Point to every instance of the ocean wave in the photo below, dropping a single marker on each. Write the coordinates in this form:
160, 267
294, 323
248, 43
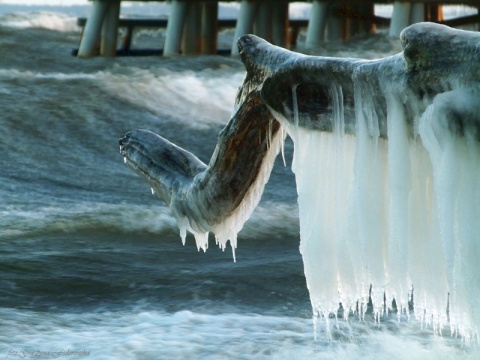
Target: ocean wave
40, 20
268, 219
45, 2
123, 218
10, 74
272, 218
196, 99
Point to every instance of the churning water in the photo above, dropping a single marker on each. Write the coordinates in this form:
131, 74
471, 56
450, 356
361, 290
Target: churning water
91, 262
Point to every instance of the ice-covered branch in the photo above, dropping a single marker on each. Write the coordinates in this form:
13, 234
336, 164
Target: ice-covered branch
387, 157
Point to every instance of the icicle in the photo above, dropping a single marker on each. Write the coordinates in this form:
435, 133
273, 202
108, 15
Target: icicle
399, 176
284, 136
182, 223
295, 105
233, 244
183, 235
338, 119
201, 240
269, 133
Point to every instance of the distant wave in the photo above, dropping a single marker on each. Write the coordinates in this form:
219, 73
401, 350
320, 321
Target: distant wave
178, 95
170, 94
9, 74
132, 218
40, 20
59, 219
44, 2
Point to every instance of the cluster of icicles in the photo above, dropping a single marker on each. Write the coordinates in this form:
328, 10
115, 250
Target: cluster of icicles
227, 230
387, 215
396, 214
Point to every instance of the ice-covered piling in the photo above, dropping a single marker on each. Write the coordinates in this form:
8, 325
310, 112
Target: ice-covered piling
387, 157
384, 200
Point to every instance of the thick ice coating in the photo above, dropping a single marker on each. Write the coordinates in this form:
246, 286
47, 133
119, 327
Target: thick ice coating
220, 197
386, 161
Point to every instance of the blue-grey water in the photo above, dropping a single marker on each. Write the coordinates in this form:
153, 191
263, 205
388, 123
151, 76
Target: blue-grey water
92, 265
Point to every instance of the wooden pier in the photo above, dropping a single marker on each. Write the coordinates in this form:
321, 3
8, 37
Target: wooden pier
192, 26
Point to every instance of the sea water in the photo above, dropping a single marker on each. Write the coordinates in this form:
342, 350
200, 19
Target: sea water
92, 265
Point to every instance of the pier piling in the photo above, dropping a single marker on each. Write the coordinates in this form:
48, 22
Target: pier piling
93, 27
108, 43
280, 23
209, 27
417, 13
191, 29
400, 17
176, 21
335, 24
316, 24
248, 9
262, 25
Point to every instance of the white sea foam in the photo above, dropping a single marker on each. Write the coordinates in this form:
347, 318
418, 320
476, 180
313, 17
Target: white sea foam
44, 2
40, 20
185, 334
10, 74
449, 11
